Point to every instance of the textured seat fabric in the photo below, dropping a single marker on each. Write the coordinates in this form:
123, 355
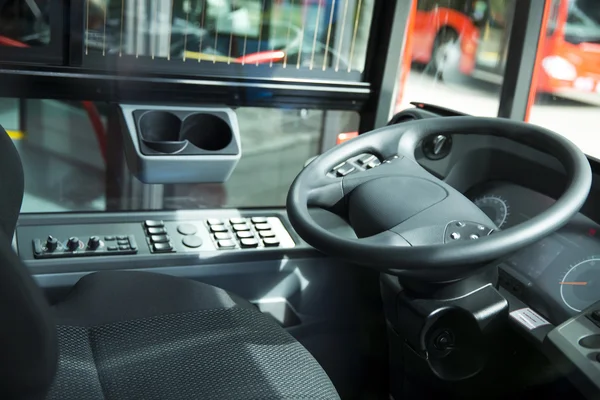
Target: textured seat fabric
135, 335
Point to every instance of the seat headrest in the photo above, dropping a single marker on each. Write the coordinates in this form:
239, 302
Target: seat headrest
11, 184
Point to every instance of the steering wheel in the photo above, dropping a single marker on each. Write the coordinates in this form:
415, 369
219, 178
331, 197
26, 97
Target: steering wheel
407, 221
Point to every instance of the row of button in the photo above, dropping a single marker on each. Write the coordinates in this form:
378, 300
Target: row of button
249, 233
120, 242
158, 237
366, 161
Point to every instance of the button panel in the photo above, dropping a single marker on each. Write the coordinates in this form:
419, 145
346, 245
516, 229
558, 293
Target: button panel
157, 237
248, 233
354, 165
465, 230
93, 245
229, 232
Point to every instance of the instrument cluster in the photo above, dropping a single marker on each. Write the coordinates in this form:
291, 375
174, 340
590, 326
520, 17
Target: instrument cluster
561, 273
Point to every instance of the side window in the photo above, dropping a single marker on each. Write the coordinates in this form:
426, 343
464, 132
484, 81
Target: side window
574, 19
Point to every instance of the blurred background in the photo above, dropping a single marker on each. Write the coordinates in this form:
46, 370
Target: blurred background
458, 50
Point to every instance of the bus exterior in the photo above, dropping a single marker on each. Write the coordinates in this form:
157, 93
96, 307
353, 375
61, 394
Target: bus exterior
570, 65
439, 29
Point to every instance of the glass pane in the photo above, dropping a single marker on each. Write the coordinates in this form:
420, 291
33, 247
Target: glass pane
65, 169
24, 23
311, 34
568, 87
459, 50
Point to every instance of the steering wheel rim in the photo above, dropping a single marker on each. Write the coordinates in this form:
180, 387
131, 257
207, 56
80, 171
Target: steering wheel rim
389, 251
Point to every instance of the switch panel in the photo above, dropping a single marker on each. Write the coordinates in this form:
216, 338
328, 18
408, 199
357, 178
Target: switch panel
248, 233
162, 237
94, 245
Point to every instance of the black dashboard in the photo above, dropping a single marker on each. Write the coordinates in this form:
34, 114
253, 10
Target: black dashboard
558, 276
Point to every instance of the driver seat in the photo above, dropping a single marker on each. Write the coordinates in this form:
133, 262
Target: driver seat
137, 335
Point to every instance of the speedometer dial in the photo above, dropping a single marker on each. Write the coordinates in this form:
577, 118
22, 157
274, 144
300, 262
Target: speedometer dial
495, 207
580, 287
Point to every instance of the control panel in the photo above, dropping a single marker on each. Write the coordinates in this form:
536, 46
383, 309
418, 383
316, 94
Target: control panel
575, 346
74, 246
355, 164
160, 236
465, 230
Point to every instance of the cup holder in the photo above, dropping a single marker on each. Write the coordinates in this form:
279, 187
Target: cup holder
159, 130
206, 131
176, 144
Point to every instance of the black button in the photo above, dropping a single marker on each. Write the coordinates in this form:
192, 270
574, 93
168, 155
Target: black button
187, 229
245, 234
266, 234
226, 244
121, 237
240, 227
159, 238
218, 228
192, 241
214, 221
113, 248
154, 231
366, 159
93, 242
248, 243
344, 170
271, 242
262, 227
123, 242
51, 243
259, 220
109, 238
153, 224
222, 235
162, 247
234, 221
73, 244
124, 247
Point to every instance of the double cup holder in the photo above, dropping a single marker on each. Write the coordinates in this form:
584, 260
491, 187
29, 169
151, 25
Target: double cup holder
180, 144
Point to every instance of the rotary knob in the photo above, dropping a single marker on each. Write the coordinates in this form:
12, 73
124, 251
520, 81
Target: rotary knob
73, 244
93, 243
51, 243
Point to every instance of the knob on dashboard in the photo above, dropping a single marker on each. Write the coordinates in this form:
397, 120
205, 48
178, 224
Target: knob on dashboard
93, 243
73, 243
51, 243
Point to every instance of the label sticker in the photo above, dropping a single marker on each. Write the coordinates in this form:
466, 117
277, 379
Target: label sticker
528, 318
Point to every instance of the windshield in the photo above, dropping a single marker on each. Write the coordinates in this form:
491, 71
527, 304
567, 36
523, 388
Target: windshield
583, 22
587, 9
459, 63
459, 50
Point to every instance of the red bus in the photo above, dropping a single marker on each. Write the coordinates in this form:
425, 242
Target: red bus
471, 36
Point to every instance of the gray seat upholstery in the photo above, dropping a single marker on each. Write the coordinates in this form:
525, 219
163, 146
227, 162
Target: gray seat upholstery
138, 335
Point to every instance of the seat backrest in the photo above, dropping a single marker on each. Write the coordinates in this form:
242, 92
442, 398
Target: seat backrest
27, 330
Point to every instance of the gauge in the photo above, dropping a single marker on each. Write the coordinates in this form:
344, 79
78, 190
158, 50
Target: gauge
495, 207
580, 287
